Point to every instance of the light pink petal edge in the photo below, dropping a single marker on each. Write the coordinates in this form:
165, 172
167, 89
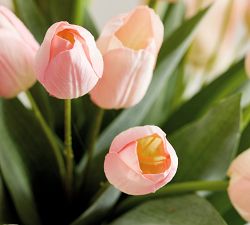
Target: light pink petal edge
124, 178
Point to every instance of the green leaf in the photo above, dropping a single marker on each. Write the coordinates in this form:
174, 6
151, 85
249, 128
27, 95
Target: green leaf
100, 207
226, 84
173, 17
169, 58
31, 15
42, 99
61, 10
89, 24
203, 144
181, 210
28, 166
245, 139
168, 99
7, 213
245, 122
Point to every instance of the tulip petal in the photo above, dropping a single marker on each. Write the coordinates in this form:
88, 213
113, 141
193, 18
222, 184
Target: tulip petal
131, 23
95, 57
44, 52
105, 41
239, 195
16, 69
72, 79
138, 38
129, 155
59, 45
21, 30
127, 75
133, 134
124, 178
241, 165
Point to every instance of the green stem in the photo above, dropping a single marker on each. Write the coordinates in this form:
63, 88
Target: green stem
170, 189
68, 145
78, 12
94, 131
51, 137
153, 4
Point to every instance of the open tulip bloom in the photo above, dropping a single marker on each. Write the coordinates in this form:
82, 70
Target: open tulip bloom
75, 147
140, 160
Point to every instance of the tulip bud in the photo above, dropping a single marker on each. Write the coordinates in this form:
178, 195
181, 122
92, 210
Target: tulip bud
239, 185
129, 44
68, 63
140, 160
17, 53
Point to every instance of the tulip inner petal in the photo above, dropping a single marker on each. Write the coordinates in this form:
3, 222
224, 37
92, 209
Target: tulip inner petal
137, 32
67, 35
152, 156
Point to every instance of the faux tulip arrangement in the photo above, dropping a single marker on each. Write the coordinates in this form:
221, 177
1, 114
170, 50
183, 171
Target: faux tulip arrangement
75, 147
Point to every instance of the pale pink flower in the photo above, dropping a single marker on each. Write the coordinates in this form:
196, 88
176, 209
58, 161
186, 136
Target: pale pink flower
239, 186
129, 43
17, 53
140, 160
68, 63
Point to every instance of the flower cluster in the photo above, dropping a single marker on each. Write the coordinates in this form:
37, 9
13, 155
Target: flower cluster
116, 71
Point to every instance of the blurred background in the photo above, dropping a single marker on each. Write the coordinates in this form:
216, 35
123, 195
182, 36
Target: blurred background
104, 10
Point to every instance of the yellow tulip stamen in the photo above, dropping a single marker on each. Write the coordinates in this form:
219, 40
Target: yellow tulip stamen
151, 154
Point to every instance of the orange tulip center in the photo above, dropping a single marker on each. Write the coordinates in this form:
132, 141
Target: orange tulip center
67, 35
137, 31
151, 154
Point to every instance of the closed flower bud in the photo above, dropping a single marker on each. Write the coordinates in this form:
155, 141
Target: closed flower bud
140, 160
129, 44
17, 53
68, 63
239, 185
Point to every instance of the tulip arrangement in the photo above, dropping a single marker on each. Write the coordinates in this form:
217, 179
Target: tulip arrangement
146, 122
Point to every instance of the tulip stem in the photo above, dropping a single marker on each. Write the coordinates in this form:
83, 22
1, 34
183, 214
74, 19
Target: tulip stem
175, 188
153, 4
94, 131
68, 151
78, 12
48, 132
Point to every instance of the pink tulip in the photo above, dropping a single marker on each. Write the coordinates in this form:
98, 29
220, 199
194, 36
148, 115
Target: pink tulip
17, 53
68, 64
129, 44
140, 160
239, 186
